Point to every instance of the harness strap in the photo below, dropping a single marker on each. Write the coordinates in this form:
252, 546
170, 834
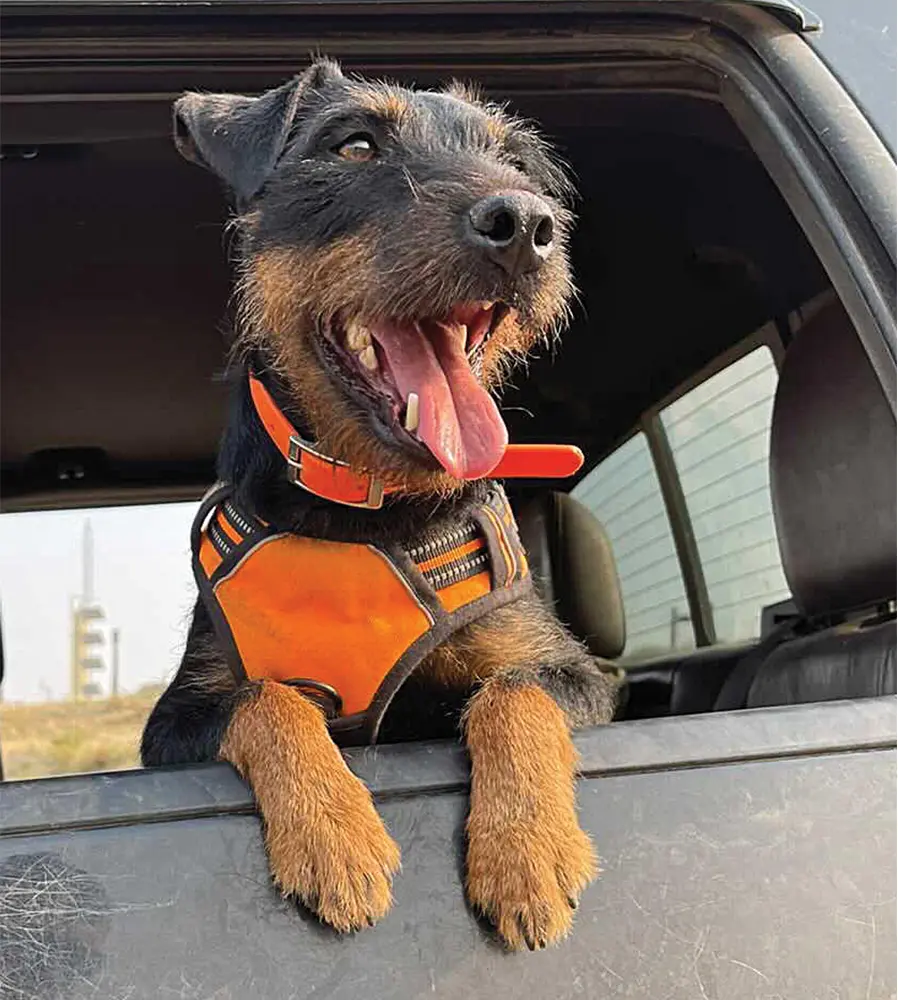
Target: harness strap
214, 497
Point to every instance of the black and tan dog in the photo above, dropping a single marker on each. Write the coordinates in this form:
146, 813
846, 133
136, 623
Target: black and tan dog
398, 250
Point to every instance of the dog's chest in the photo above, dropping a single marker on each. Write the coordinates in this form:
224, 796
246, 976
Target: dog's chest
349, 623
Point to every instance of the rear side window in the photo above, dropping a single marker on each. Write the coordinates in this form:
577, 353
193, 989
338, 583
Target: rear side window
719, 434
705, 515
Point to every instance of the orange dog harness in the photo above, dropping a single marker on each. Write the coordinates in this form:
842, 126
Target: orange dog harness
347, 623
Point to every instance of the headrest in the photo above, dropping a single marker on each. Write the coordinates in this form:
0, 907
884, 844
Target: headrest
574, 571
832, 470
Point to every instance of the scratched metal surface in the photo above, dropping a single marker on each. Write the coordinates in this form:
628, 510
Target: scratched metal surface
760, 871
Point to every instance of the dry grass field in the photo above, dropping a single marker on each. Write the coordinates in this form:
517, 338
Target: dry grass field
67, 738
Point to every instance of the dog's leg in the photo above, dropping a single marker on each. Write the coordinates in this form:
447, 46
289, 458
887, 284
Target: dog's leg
528, 860
326, 844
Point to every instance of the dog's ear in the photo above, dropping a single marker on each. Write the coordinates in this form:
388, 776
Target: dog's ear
241, 138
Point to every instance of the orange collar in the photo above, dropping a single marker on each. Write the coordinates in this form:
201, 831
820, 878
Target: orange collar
331, 479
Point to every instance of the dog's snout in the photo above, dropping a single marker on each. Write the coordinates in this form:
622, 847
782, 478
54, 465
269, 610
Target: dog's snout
516, 230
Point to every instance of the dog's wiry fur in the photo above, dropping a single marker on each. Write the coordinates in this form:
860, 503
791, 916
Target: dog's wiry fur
325, 841
319, 237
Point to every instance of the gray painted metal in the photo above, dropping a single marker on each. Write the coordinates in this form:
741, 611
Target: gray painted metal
858, 42
793, 14
745, 855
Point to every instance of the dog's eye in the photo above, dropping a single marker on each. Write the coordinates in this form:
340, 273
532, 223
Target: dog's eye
359, 148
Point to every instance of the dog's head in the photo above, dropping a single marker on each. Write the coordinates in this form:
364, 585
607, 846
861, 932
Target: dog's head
398, 249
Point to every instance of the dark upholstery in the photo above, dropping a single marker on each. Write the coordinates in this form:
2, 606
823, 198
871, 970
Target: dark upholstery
842, 662
682, 683
832, 470
574, 570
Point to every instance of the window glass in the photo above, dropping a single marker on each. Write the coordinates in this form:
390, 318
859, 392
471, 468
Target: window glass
624, 494
62, 625
719, 433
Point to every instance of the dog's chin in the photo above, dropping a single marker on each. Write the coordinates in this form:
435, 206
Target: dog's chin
417, 388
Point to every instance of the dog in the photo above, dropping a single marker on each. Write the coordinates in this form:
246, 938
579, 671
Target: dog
359, 570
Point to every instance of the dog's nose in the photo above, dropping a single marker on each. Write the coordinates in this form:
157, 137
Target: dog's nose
516, 230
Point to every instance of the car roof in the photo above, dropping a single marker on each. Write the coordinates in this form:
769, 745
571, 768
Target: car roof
856, 40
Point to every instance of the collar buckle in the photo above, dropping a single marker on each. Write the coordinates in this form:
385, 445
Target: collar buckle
302, 457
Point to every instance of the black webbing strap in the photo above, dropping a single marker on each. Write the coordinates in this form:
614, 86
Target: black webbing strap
213, 497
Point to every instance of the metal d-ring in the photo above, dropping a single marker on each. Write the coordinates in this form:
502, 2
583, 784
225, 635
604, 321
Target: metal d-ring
326, 697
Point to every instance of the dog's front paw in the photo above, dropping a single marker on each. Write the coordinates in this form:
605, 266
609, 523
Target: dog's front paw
332, 852
528, 859
526, 878
326, 844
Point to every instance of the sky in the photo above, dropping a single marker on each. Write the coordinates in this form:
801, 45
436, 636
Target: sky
142, 580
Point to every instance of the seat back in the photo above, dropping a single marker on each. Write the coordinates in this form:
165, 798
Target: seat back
574, 570
832, 471
832, 474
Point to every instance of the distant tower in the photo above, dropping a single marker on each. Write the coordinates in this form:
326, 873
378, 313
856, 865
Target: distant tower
87, 563
88, 618
116, 649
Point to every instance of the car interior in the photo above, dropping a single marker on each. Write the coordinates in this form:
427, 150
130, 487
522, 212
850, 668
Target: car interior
831, 439
115, 274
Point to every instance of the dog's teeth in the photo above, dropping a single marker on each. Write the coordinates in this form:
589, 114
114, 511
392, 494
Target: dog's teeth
358, 337
368, 358
411, 412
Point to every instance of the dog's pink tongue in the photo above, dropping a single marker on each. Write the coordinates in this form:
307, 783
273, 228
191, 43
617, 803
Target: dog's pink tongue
458, 419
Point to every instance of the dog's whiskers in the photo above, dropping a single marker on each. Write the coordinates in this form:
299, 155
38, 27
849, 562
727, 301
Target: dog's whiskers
411, 184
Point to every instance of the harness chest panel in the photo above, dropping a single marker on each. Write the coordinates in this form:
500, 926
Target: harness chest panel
348, 622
